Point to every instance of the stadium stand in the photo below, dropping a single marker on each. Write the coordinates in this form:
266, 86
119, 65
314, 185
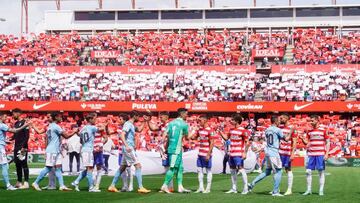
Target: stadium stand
198, 87
191, 47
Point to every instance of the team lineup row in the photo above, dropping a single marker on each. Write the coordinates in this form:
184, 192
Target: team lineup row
280, 145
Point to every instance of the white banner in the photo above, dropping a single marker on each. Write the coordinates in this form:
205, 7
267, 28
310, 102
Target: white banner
151, 162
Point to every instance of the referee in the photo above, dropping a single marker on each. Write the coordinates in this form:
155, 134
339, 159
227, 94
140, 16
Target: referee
21, 150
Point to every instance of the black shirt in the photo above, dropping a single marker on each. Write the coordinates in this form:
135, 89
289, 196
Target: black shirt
22, 137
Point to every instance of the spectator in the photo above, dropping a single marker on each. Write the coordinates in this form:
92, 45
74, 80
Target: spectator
108, 146
74, 147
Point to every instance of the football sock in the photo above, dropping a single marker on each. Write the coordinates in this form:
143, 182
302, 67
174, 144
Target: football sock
201, 178
233, 179
277, 180
42, 174
5, 173
244, 178
322, 180
209, 178
290, 180
58, 174
308, 179
139, 177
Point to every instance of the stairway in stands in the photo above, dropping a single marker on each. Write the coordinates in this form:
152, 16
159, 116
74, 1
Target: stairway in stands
85, 53
288, 57
259, 95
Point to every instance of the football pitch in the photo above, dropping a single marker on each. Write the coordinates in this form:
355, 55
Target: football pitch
342, 185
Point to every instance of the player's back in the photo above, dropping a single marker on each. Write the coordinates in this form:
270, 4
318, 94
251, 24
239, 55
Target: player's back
87, 136
3, 129
99, 142
176, 130
273, 135
129, 130
53, 134
176, 127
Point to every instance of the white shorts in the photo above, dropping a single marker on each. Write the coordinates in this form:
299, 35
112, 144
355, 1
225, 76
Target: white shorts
53, 159
3, 158
87, 159
273, 162
129, 158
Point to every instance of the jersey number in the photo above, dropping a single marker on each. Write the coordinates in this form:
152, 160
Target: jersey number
173, 130
270, 139
84, 137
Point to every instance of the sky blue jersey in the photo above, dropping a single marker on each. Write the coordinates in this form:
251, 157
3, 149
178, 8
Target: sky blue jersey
273, 135
87, 136
53, 134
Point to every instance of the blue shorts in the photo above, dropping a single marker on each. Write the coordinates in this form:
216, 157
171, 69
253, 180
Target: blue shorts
166, 162
316, 163
98, 159
202, 163
119, 159
286, 161
236, 161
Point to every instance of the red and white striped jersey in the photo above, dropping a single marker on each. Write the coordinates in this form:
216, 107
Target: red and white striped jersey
162, 128
237, 138
261, 128
335, 149
353, 144
98, 143
317, 142
286, 146
205, 135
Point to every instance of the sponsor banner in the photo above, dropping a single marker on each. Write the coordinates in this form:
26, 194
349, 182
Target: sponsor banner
345, 67
93, 70
260, 53
105, 54
32, 157
336, 106
341, 162
197, 106
140, 70
226, 69
128, 69
16, 69
240, 69
176, 69
289, 69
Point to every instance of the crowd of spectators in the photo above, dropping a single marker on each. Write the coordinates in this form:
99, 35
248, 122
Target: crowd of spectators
191, 47
41, 50
186, 48
201, 86
311, 86
316, 46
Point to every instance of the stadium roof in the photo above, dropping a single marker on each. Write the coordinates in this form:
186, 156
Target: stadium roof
25, 6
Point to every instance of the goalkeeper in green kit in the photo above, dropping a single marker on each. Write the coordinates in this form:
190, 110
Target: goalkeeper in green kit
175, 132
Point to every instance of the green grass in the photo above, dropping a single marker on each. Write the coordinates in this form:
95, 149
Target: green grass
342, 185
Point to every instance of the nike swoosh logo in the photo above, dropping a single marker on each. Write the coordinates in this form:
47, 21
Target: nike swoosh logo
36, 107
297, 108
